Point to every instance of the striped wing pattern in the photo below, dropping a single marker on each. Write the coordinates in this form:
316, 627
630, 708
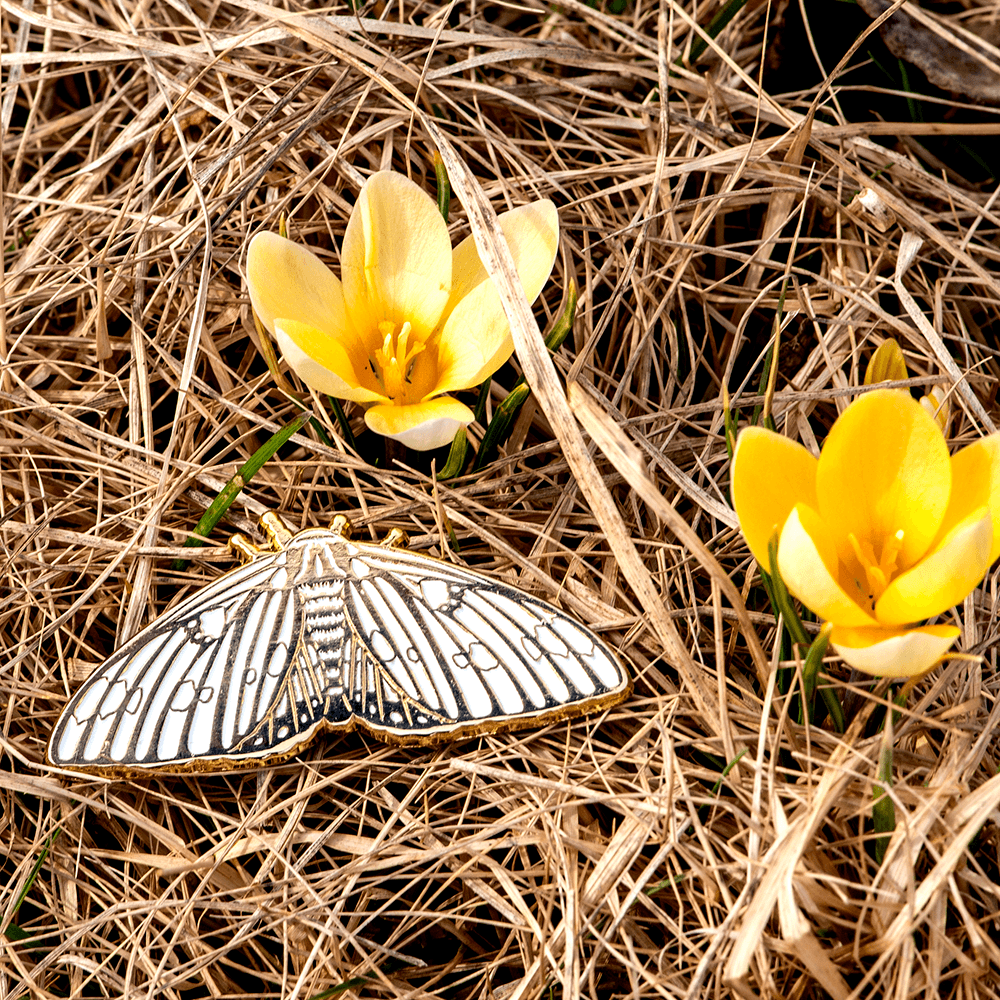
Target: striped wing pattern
328, 633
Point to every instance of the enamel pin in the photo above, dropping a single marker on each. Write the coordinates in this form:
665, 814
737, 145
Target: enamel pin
321, 633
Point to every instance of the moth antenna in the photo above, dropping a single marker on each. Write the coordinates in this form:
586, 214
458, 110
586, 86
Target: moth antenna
340, 525
243, 548
278, 533
396, 539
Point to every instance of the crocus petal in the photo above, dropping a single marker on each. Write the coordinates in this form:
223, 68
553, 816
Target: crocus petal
943, 577
396, 258
532, 234
771, 474
475, 338
975, 482
884, 468
893, 652
807, 561
421, 426
887, 364
322, 362
287, 280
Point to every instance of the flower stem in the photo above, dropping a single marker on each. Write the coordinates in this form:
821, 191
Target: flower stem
484, 395
783, 600
833, 707
810, 669
499, 428
729, 423
883, 810
562, 326
345, 427
271, 359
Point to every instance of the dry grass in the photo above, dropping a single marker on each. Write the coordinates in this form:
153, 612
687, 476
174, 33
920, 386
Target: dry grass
142, 145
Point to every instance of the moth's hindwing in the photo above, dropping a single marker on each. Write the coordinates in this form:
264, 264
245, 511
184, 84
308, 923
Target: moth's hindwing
328, 633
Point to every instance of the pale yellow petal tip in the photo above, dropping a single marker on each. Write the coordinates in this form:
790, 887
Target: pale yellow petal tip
545, 217
287, 280
422, 426
937, 404
887, 652
267, 257
263, 263
263, 243
395, 258
887, 364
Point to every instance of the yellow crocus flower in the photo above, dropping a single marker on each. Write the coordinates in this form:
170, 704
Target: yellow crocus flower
883, 531
410, 319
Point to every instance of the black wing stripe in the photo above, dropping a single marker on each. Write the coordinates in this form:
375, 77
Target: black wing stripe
246, 651
106, 688
250, 664
451, 641
487, 657
203, 724
169, 725
247, 670
483, 655
379, 631
563, 638
401, 564
545, 646
155, 693
557, 668
414, 661
127, 673
507, 640
263, 685
595, 657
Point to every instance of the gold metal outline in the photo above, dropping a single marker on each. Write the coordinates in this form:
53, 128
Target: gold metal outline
278, 536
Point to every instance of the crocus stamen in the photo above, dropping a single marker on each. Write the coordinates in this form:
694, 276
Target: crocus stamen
878, 573
394, 358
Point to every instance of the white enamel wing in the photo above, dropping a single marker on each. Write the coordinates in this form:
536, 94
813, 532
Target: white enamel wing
324, 633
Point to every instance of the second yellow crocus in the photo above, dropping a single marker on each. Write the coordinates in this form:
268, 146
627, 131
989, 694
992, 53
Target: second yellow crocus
883, 531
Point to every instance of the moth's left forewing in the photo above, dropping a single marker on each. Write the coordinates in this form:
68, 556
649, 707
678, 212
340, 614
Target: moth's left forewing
454, 652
